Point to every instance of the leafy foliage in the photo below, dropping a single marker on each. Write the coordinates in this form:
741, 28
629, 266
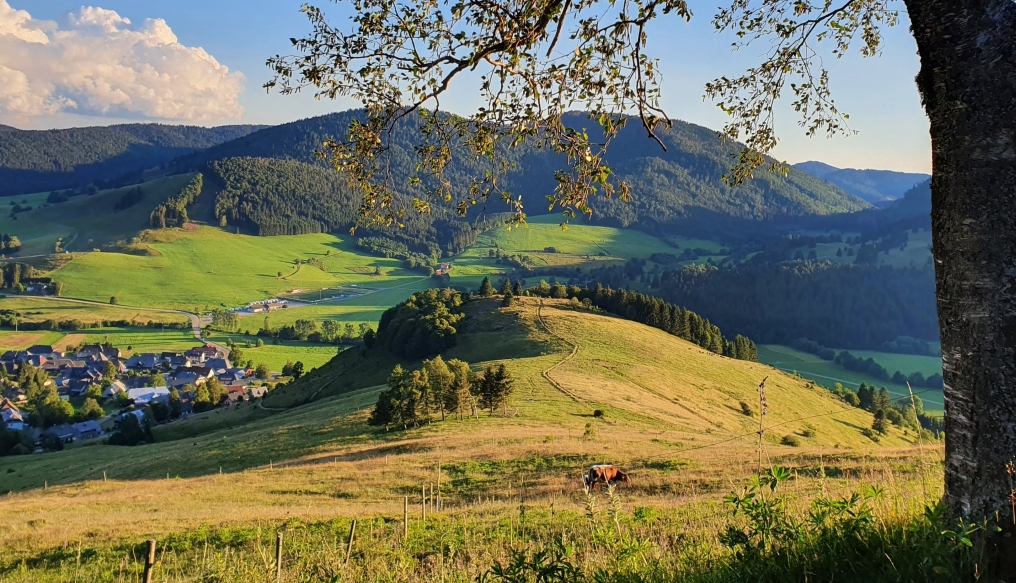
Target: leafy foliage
423, 325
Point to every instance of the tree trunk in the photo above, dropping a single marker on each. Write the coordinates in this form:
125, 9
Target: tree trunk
968, 86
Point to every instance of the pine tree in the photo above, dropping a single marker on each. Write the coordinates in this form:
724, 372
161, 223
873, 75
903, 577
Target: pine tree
506, 287
880, 424
508, 299
866, 395
460, 396
486, 290
517, 288
439, 383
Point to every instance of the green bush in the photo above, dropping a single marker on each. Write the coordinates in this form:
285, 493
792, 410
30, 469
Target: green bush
791, 440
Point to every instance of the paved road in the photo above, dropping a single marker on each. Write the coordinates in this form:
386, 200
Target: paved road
194, 319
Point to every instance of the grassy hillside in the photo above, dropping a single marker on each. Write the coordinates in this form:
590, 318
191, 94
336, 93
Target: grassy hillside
671, 417
209, 267
36, 309
86, 222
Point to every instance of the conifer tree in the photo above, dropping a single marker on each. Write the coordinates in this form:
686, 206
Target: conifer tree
506, 287
439, 382
517, 288
486, 290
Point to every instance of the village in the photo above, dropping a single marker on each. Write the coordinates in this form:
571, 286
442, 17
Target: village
99, 387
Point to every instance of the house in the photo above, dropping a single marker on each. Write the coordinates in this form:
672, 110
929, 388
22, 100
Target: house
11, 415
60, 364
114, 389
44, 351
257, 392
146, 361
138, 413
98, 350
194, 375
13, 356
232, 377
180, 361
64, 433
36, 360
235, 396
148, 395
15, 394
219, 365
203, 353
87, 430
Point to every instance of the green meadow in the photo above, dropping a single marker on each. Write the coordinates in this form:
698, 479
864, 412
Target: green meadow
206, 267
86, 222
311, 354
827, 374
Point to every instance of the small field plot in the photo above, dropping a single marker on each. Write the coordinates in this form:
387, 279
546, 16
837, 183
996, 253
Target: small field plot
37, 309
138, 339
276, 356
827, 374
22, 340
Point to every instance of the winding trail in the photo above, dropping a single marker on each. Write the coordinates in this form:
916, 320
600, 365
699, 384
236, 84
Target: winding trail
575, 350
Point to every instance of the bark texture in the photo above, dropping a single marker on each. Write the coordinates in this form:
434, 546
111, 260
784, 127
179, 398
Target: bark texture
968, 85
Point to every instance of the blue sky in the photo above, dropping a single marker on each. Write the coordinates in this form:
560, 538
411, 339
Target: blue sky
879, 94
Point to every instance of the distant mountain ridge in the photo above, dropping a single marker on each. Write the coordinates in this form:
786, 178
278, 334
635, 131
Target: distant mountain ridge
43, 160
669, 187
875, 186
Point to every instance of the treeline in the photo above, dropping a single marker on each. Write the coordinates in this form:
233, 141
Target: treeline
657, 313
421, 326
328, 332
439, 388
392, 249
59, 196
173, 212
17, 275
867, 366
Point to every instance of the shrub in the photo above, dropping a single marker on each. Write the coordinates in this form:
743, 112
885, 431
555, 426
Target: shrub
791, 440
746, 409
809, 431
598, 413
870, 434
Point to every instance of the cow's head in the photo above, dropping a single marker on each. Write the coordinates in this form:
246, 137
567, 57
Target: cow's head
623, 477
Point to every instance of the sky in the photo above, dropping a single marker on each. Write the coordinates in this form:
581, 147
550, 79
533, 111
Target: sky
64, 64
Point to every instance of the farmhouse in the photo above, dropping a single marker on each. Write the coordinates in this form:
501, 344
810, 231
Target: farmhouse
148, 395
114, 389
98, 352
43, 351
11, 416
87, 430
146, 361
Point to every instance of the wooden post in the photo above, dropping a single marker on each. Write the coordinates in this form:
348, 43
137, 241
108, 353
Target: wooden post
349, 547
278, 556
104, 475
149, 560
405, 519
423, 502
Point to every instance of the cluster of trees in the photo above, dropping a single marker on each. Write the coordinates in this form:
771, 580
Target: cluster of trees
654, 312
16, 275
129, 199
421, 326
908, 345
9, 243
132, 431
225, 320
518, 260
391, 248
173, 212
328, 331
902, 412
441, 388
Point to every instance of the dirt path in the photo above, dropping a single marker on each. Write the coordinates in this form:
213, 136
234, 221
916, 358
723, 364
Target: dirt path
575, 350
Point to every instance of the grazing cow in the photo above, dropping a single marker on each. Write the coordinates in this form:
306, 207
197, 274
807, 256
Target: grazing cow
603, 474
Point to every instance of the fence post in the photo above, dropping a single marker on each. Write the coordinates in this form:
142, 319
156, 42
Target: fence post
149, 560
278, 556
423, 502
405, 519
349, 548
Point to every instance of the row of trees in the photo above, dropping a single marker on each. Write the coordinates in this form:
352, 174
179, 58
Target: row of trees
173, 212
867, 366
654, 312
441, 388
903, 412
390, 248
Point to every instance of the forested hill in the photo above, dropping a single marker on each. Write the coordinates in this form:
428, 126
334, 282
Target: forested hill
680, 184
41, 160
875, 186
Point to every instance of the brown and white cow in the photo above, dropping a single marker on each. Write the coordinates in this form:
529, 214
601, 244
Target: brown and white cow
603, 474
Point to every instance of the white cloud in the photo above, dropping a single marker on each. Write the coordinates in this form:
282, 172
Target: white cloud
99, 64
